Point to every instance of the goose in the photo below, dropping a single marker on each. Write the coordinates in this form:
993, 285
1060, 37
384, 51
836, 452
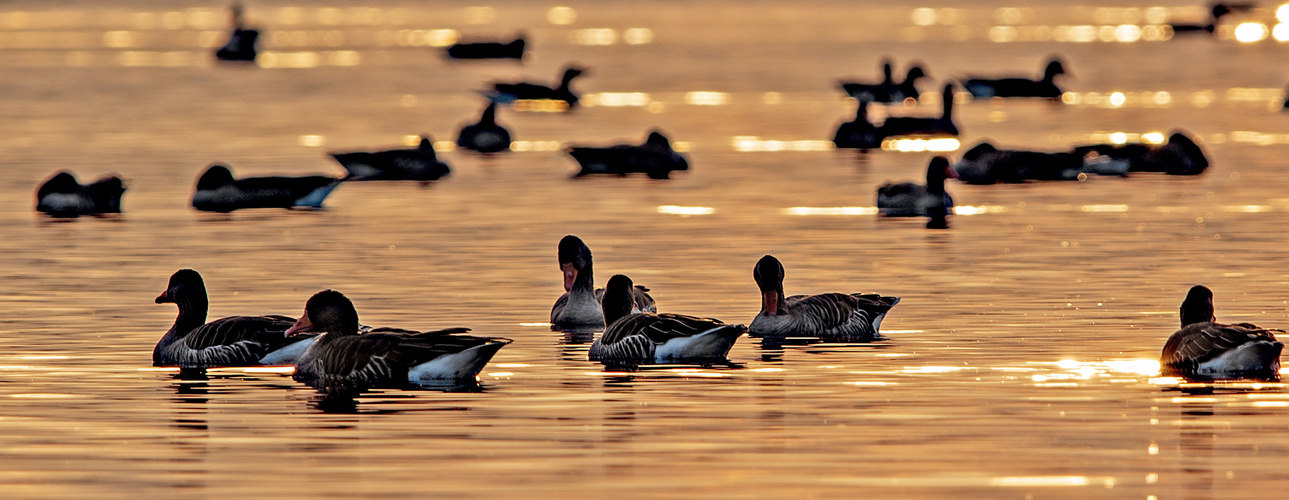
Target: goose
342, 360
240, 46
654, 158
1018, 87
485, 136
657, 338
218, 191
488, 50
859, 133
1204, 348
887, 91
580, 306
986, 164
1179, 156
905, 125
908, 199
833, 316
232, 341
63, 196
418, 164
511, 92
1216, 13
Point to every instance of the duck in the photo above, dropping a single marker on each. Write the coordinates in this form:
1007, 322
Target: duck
907, 199
485, 136
1217, 11
655, 158
192, 343
63, 196
1204, 348
240, 46
829, 316
218, 191
342, 360
1180, 155
645, 337
887, 91
511, 92
580, 306
981, 88
858, 133
417, 164
906, 125
984, 163
488, 50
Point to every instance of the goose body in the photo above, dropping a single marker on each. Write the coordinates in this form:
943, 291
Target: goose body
485, 135
488, 50
858, 133
63, 196
887, 91
907, 199
834, 316
1179, 156
580, 306
657, 338
342, 360
218, 191
240, 46
230, 341
511, 92
1203, 348
1018, 87
418, 164
654, 158
941, 125
986, 164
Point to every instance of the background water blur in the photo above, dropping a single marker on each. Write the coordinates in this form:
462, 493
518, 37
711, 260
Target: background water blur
1019, 365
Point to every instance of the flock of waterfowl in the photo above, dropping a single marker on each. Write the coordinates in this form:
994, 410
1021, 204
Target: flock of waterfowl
334, 352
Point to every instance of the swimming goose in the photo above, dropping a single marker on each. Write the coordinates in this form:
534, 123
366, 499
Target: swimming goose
1179, 156
834, 316
1206, 349
906, 125
986, 164
908, 199
859, 133
511, 92
218, 191
657, 338
418, 164
1018, 87
231, 341
63, 196
342, 360
1216, 12
488, 50
580, 306
485, 136
240, 46
887, 91
654, 158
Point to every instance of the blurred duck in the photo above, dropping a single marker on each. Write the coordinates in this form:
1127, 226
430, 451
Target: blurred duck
240, 46
887, 91
908, 199
1203, 348
418, 164
833, 316
1018, 87
63, 196
485, 136
1179, 156
654, 158
1217, 11
580, 306
986, 164
904, 125
488, 50
638, 337
510, 92
218, 191
859, 133
341, 360
231, 341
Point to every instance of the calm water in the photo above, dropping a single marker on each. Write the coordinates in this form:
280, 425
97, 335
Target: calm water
1019, 363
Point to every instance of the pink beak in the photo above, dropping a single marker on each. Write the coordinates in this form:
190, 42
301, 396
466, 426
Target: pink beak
770, 302
570, 275
301, 325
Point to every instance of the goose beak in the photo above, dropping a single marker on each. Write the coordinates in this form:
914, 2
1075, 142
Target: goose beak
770, 302
301, 325
164, 297
570, 275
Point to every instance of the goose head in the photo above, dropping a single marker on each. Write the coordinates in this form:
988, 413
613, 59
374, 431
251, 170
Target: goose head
1198, 306
617, 298
574, 259
215, 177
183, 283
327, 311
915, 73
936, 172
1053, 69
61, 183
768, 274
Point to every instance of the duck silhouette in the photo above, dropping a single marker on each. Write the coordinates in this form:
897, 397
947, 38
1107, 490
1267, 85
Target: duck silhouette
986, 164
63, 196
510, 92
858, 133
240, 46
417, 164
1018, 86
218, 191
887, 91
654, 158
1179, 156
905, 125
485, 135
488, 50
909, 199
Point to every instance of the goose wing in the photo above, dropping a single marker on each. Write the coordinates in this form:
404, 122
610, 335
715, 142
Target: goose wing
1200, 342
238, 340
657, 328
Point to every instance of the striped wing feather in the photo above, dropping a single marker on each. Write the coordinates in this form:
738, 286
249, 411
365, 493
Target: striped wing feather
384, 355
238, 339
637, 335
1200, 342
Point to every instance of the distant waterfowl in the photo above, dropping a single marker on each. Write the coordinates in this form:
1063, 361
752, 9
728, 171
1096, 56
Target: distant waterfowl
887, 91
1203, 348
1217, 11
1179, 156
986, 164
231, 341
580, 306
218, 191
654, 158
907, 199
240, 46
63, 196
488, 50
485, 136
858, 133
510, 92
657, 338
342, 361
905, 125
1018, 87
417, 164
833, 316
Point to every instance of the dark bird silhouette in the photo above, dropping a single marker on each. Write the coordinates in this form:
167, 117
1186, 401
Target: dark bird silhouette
1179, 156
858, 133
644, 337
986, 164
887, 91
218, 191
485, 136
1206, 349
63, 196
416, 164
581, 305
240, 46
654, 158
905, 125
1018, 87
908, 199
488, 50
835, 316
506, 93
1217, 11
